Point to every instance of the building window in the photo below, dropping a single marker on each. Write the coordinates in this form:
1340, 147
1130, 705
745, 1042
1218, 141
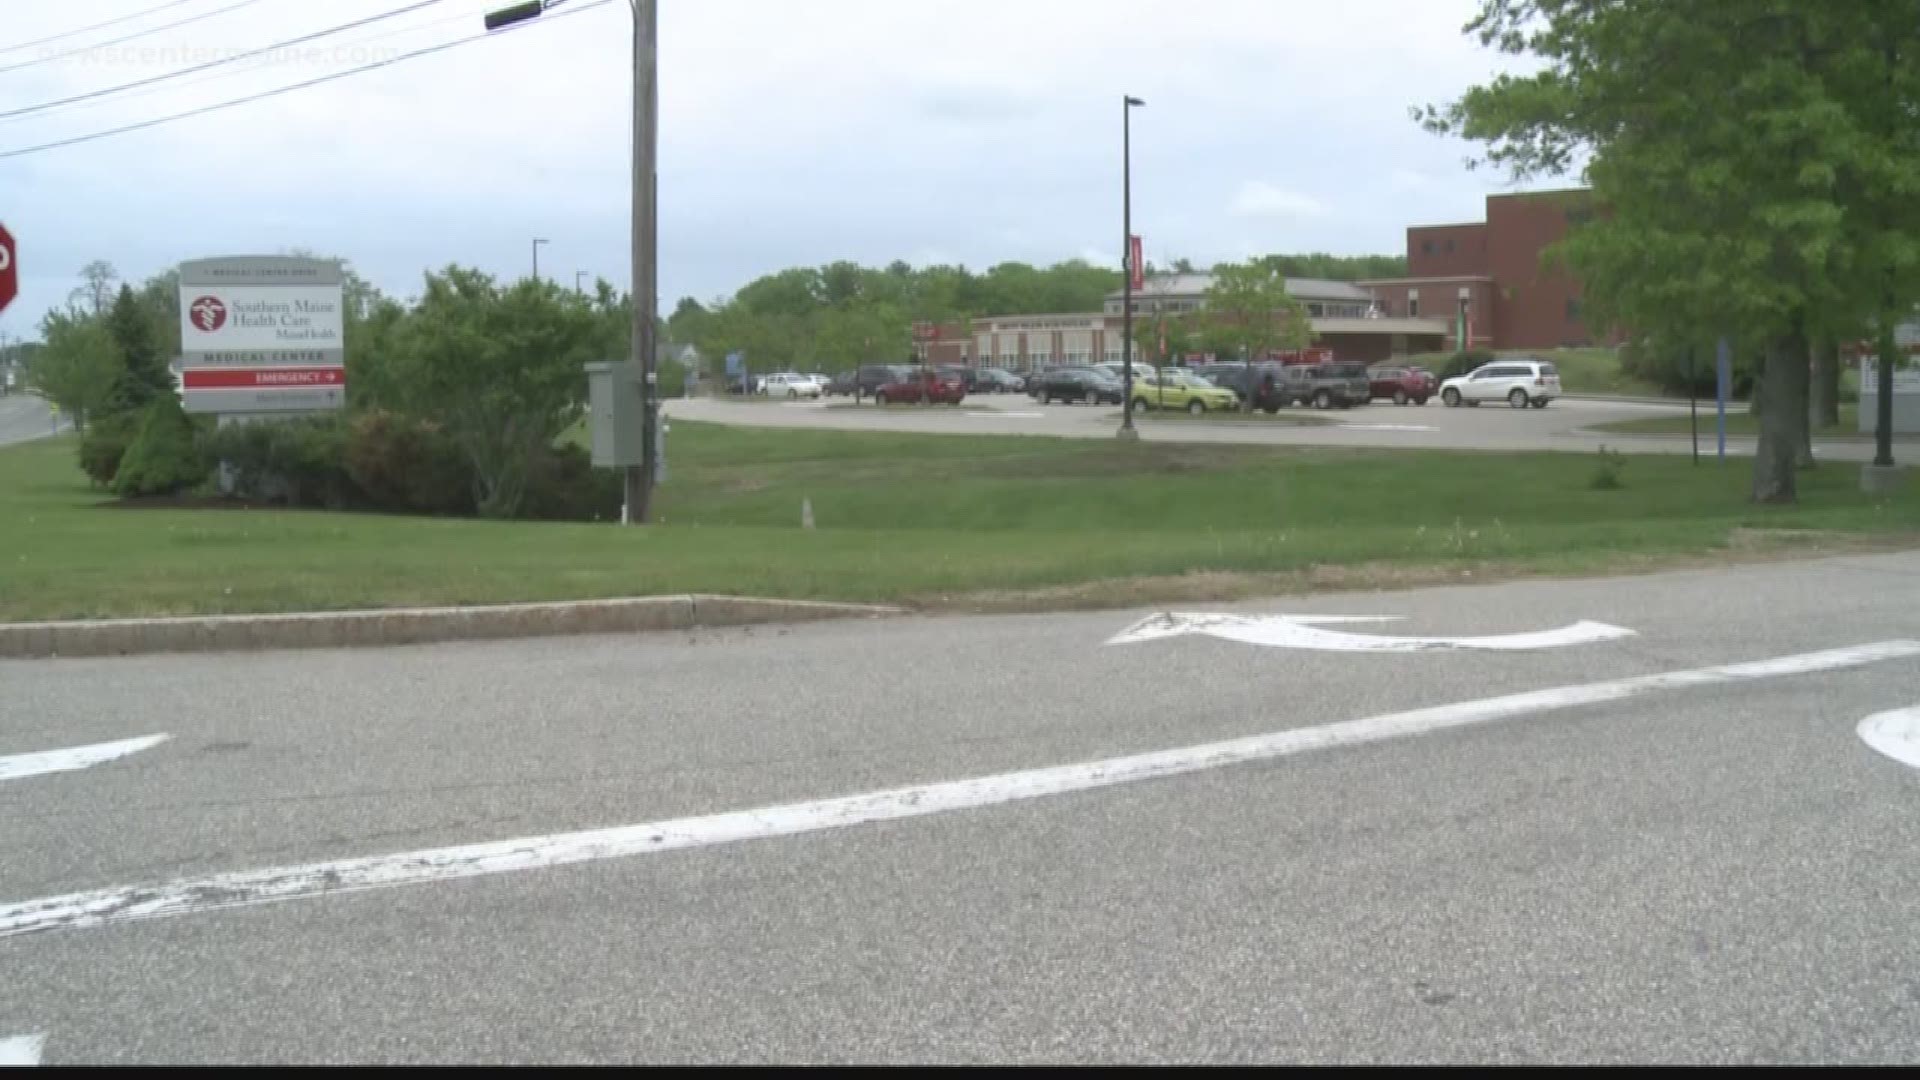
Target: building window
1573, 309
1316, 310
1579, 215
1426, 247
1413, 307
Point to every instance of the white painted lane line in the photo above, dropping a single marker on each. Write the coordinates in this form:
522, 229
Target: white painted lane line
191, 895
21, 1050
1895, 734
15, 766
1297, 632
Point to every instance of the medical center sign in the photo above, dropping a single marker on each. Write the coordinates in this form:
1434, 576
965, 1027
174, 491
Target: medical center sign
262, 334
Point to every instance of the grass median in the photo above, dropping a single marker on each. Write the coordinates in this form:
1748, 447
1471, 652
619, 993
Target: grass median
1740, 421
971, 522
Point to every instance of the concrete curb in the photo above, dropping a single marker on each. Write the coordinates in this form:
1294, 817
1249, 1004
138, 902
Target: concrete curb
410, 626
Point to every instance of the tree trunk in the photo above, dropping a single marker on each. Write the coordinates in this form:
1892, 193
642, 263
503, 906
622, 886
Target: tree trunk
1781, 394
1824, 395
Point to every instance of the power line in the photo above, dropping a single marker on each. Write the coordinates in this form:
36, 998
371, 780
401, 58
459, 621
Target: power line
123, 38
277, 91
150, 80
260, 62
96, 26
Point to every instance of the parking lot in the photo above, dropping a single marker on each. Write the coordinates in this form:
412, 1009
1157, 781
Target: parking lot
1563, 425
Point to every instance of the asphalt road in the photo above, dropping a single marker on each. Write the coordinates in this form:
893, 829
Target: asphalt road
1689, 870
23, 417
1562, 425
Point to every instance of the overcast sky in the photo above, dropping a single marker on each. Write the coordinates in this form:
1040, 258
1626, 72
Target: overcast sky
792, 132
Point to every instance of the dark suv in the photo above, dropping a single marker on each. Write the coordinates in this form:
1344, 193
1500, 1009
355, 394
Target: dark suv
1076, 384
1327, 386
872, 377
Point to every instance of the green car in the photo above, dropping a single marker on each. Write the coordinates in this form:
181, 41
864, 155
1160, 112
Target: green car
1181, 390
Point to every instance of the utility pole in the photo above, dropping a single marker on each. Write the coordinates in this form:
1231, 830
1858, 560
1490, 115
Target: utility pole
578, 275
537, 241
646, 110
1127, 103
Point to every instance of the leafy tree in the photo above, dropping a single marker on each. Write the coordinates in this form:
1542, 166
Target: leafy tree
1754, 163
144, 375
163, 458
499, 369
76, 367
1249, 309
96, 289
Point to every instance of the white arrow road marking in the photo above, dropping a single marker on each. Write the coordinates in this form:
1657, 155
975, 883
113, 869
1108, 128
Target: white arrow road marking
21, 1050
15, 766
1298, 632
1895, 734
189, 895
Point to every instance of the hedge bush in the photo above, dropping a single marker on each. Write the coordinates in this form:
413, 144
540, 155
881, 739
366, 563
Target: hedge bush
563, 485
105, 443
1461, 363
298, 462
164, 458
409, 465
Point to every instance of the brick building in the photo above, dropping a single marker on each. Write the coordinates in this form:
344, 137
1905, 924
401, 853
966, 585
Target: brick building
1491, 273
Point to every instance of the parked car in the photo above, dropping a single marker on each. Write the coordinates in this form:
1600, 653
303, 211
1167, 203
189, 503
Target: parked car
744, 384
1401, 384
917, 384
1326, 386
1071, 384
841, 384
998, 381
1519, 380
1181, 390
872, 377
1263, 384
790, 384
966, 375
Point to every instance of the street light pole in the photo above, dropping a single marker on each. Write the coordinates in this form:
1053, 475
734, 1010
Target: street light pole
639, 481
537, 241
577, 287
1127, 103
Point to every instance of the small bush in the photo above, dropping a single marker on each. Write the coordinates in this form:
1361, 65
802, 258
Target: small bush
1461, 363
297, 461
164, 458
1606, 474
105, 443
408, 465
563, 485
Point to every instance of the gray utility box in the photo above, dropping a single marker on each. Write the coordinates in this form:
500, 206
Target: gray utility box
616, 405
1906, 400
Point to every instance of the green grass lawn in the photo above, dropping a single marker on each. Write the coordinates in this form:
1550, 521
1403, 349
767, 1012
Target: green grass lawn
1740, 421
915, 518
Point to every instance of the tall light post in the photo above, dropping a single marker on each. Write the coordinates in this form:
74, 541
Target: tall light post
1127, 105
646, 109
578, 277
537, 241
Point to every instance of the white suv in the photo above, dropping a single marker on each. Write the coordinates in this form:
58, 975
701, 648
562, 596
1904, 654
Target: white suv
791, 384
1519, 381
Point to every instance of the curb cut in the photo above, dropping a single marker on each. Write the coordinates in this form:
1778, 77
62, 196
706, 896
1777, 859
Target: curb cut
410, 626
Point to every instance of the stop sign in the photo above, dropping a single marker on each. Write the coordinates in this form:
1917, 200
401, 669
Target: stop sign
9, 269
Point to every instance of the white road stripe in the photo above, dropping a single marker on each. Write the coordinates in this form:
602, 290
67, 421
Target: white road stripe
1895, 734
21, 1050
1298, 632
15, 766
190, 895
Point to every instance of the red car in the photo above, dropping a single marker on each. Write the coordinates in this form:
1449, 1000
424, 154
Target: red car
1402, 384
914, 385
